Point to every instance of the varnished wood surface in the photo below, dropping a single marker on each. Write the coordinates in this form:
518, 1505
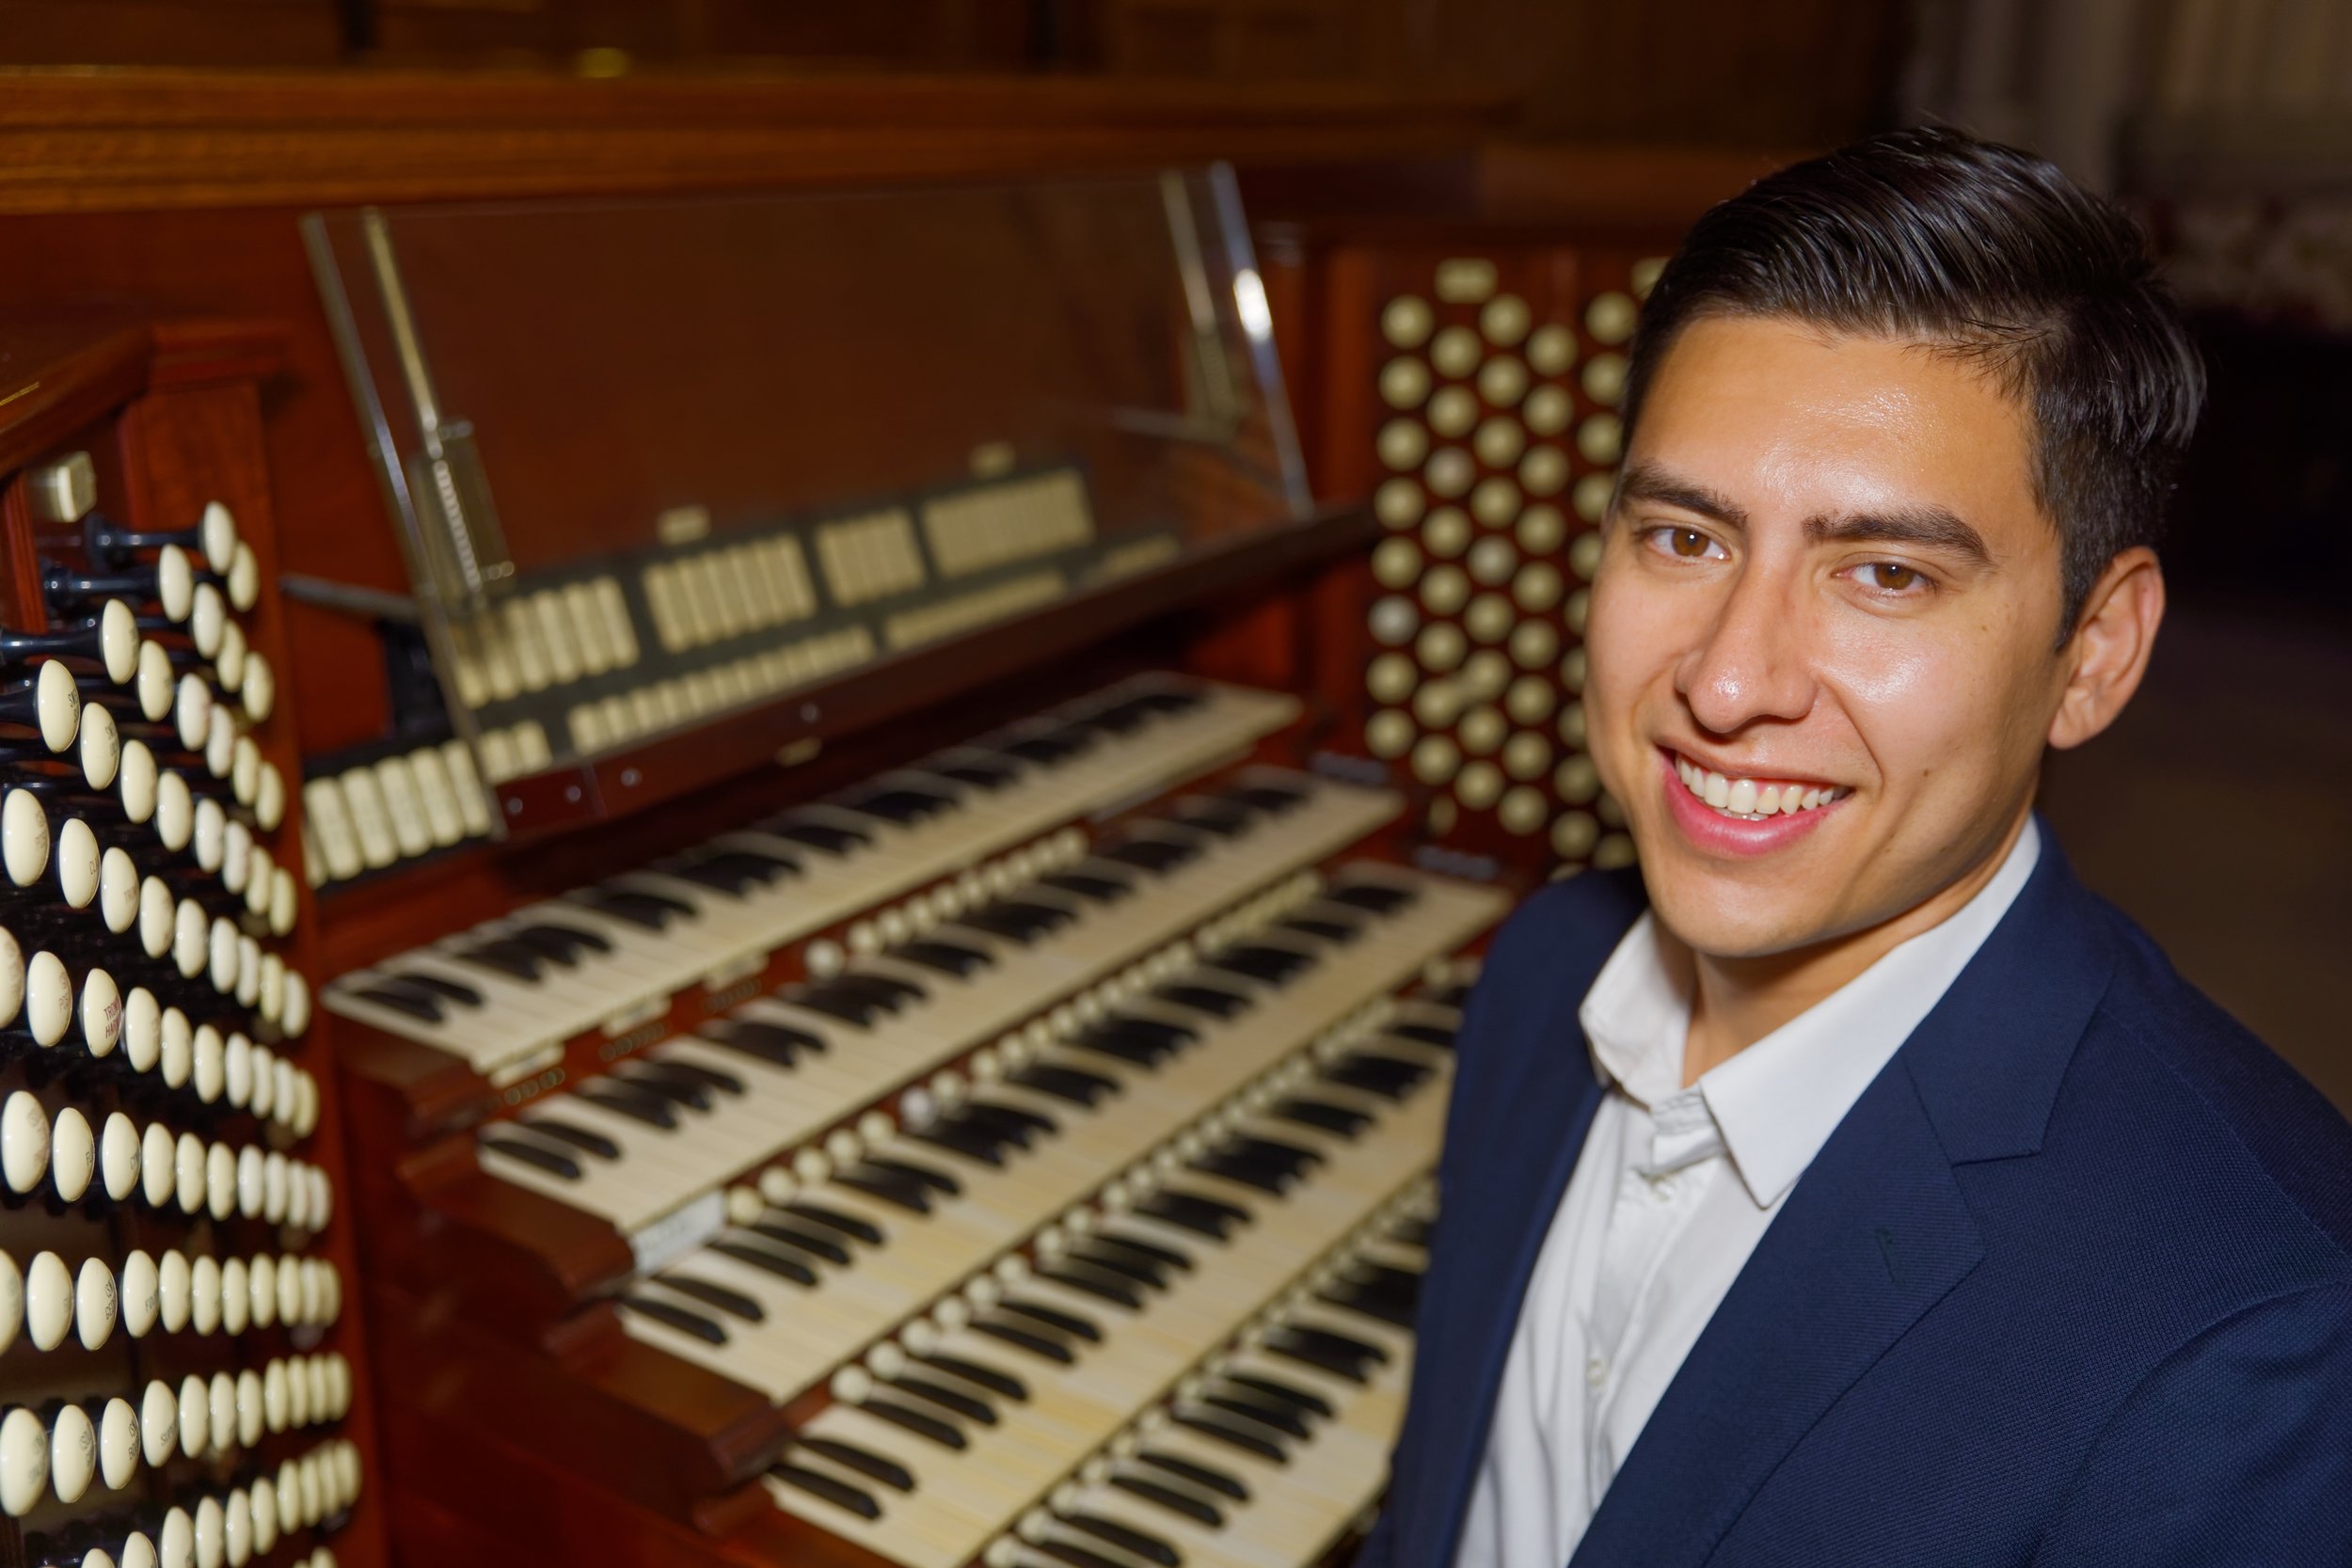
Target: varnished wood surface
115, 140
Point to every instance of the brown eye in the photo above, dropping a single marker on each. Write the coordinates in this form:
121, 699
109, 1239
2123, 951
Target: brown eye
1893, 577
1688, 543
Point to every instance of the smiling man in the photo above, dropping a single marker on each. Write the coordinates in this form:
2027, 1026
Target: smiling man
1853, 1186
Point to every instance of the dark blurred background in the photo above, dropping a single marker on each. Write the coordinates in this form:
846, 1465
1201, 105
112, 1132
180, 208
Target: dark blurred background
2210, 813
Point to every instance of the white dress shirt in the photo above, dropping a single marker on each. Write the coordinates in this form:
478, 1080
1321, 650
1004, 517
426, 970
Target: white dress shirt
1671, 1193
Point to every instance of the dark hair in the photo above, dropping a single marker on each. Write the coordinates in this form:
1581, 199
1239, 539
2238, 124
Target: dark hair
1993, 255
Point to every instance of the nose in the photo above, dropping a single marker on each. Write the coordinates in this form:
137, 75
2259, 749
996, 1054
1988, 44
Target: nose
1751, 662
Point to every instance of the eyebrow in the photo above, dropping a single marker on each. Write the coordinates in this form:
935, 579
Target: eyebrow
1923, 527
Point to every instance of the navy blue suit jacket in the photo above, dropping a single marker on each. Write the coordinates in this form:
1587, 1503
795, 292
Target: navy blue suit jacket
2071, 1284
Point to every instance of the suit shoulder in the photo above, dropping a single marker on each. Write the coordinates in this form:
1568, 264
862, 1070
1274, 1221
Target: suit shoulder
1564, 925
2234, 1091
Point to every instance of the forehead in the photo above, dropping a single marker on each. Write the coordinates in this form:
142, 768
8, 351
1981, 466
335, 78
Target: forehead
1783, 416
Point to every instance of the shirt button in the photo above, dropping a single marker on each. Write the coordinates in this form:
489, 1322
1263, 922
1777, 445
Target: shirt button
1597, 1371
1664, 1188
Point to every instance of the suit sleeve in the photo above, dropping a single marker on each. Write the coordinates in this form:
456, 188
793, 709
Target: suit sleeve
2236, 1452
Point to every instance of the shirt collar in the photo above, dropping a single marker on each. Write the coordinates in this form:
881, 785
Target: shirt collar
1776, 1103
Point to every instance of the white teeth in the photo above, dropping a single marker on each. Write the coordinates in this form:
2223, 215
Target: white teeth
1747, 798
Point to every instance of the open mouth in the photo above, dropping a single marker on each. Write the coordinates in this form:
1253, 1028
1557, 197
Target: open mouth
1746, 799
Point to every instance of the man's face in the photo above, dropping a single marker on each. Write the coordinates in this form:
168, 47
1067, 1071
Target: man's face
1826, 580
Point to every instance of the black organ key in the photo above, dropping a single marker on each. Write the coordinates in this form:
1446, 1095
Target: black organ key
929, 1176
691, 1072
1092, 1282
835, 1001
625, 1101
652, 911
1224, 818
957, 1138
986, 1377
1202, 1216
1274, 798
1016, 920
827, 836
462, 994
1232, 1433
1324, 1360
1121, 718
1257, 961
1130, 1038
1050, 746
1064, 1083
1164, 1257
978, 772
1321, 1116
1424, 1033
1260, 1410
1125, 1538
1233, 1167
509, 956
903, 1190
1457, 996
1075, 1555
1156, 855
1095, 890
536, 1155
1141, 1271
679, 1318
733, 1303
1216, 1002
901, 805
1055, 1319
678, 1091
1337, 932
807, 1238
1414, 1233
563, 945
1026, 1337
767, 1260
777, 1043
872, 1466
950, 1400
936, 1429
1207, 1477
947, 958
1314, 1404
1336, 1344
1377, 897
1199, 1509
579, 1137
404, 999
833, 1490
888, 990
1386, 1076
736, 872
1017, 1122
834, 1219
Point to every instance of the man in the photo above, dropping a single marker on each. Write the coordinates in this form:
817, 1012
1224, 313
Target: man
1877, 1196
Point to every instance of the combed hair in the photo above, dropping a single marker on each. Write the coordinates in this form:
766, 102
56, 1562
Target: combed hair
1992, 255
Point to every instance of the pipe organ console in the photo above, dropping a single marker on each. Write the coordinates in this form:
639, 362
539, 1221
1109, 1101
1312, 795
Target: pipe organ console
837, 908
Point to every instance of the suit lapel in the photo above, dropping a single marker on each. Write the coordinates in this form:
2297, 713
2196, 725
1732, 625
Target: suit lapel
1553, 1102
1874, 1235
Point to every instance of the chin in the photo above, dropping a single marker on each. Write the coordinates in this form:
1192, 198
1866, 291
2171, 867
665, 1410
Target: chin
1725, 920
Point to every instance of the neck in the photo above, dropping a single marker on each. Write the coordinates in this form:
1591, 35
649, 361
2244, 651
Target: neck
1737, 1000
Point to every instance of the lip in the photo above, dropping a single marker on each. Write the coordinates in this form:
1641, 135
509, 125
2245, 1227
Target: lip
1712, 833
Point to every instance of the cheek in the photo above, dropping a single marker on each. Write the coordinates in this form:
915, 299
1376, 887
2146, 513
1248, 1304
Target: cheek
1929, 705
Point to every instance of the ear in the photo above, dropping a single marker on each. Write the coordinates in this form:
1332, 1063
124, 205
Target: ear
2109, 652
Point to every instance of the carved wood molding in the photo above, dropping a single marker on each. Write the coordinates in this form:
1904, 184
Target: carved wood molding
120, 140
